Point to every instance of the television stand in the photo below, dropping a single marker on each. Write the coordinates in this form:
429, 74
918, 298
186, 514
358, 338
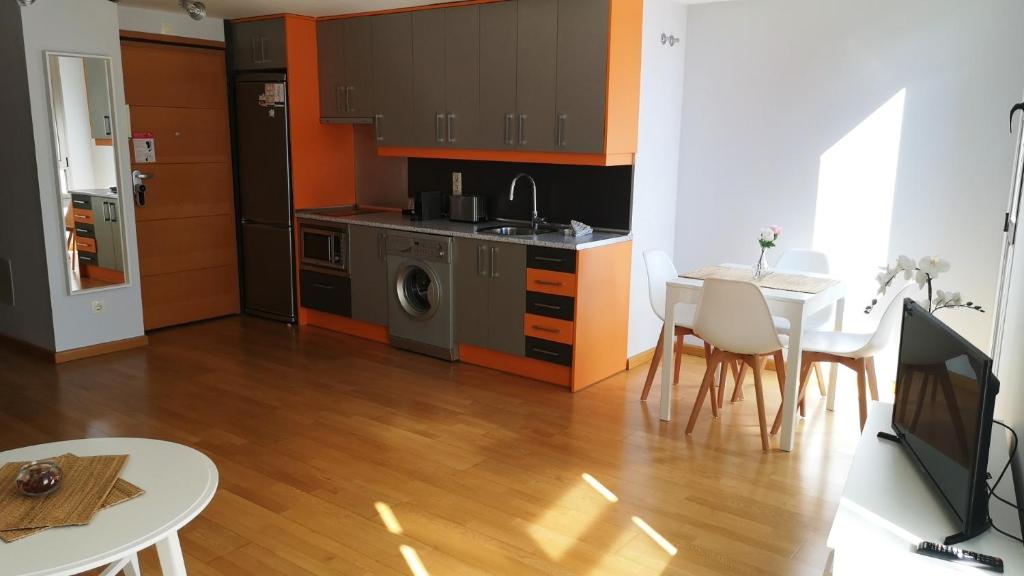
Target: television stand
889, 506
890, 437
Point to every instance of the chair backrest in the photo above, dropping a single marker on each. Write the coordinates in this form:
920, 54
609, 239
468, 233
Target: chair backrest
886, 324
660, 270
733, 316
803, 261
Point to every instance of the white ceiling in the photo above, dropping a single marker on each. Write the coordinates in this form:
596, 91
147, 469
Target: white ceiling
243, 8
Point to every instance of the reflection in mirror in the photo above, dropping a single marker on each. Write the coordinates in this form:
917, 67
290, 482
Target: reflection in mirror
83, 125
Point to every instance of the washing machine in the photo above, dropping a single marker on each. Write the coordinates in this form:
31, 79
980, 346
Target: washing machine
420, 305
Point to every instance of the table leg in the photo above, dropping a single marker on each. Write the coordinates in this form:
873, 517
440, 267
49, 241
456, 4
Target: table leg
667, 343
833, 373
792, 392
132, 567
171, 561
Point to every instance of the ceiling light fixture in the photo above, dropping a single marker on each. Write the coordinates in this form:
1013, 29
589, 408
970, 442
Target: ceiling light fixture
196, 10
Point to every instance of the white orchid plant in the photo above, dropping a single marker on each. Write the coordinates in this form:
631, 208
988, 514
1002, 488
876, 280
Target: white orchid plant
924, 272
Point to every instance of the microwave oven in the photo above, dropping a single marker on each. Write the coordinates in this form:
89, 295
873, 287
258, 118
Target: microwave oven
324, 247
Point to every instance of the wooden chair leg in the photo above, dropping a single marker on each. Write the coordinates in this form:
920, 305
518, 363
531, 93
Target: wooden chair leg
654, 365
723, 378
872, 377
821, 379
759, 393
705, 385
737, 391
862, 395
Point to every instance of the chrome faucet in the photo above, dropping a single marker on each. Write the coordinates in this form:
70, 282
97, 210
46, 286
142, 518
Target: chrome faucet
535, 221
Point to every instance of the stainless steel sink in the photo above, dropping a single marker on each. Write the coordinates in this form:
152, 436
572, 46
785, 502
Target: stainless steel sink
516, 230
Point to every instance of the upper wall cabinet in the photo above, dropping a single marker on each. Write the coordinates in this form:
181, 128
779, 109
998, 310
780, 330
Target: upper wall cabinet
345, 53
580, 103
258, 45
497, 111
392, 78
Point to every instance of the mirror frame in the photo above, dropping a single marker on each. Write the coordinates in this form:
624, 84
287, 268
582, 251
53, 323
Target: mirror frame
118, 176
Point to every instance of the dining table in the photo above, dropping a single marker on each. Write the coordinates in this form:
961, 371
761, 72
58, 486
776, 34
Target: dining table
793, 305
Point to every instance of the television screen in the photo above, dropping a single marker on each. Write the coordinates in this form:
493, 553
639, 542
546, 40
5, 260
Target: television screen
945, 395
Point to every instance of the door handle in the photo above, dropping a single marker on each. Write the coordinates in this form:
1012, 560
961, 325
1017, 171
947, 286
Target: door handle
509, 138
106, 125
439, 128
495, 251
561, 130
522, 129
378, 119
451, 128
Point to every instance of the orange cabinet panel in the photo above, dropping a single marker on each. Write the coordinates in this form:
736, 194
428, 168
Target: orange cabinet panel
83, 216
548, 282
85, 244
548, 328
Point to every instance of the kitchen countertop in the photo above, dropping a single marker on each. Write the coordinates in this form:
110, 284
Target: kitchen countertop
398, 221
104, 192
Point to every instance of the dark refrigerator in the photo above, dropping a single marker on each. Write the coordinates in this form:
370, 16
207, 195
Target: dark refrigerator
265, 196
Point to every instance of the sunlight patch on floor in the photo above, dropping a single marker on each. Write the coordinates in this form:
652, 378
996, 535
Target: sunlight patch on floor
413, 560
579, 502
387, 516
654, 535
600, 488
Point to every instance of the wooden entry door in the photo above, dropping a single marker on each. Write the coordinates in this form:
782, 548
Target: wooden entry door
188, 258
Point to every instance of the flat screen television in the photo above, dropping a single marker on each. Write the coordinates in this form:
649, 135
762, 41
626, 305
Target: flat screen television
945, 397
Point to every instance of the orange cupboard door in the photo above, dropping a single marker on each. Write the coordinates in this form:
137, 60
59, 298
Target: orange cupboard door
186, 231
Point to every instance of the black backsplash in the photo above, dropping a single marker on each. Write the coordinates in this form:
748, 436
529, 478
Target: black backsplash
596, 195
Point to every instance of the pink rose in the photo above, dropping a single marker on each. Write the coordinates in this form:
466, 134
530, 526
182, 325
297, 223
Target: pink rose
776, 229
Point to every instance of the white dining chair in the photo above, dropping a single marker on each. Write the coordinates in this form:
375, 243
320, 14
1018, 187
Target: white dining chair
660, 270
855, 351
733, 317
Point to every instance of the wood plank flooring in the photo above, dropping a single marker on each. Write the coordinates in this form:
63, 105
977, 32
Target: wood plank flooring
319, 437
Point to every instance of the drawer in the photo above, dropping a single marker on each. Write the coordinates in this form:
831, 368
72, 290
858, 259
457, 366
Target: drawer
548, 282
554, 259
81, 201
84, 230
548, 351
547, 328
84, 244
82, 216
326, 292
88, 258
550, 305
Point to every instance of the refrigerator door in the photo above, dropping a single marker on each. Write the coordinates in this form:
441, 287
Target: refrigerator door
264, 181
268, 272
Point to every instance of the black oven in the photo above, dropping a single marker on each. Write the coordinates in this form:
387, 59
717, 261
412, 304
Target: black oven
324, 247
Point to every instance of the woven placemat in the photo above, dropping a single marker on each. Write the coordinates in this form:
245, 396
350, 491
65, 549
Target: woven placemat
86, 484
774, 280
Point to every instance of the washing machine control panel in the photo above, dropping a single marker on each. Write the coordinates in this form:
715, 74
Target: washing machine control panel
425, 248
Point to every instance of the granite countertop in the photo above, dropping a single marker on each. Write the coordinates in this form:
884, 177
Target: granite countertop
104, 192
398, 221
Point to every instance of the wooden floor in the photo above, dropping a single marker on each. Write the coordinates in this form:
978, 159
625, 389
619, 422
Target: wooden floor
318, 436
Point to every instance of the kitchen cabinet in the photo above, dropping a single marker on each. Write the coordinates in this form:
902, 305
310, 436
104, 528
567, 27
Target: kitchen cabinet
258, 45
345, 60
393, 78
490, 295
369, 274
536, 74
98, 98
428, 122
98, 231
497, 76
582, 53
325, 292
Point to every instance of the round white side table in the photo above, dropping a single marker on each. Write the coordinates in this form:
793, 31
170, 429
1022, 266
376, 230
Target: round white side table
179, 482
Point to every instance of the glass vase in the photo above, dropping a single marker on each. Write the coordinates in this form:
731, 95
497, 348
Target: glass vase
761, 268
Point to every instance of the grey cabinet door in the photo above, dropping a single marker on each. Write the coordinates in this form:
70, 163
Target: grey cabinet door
104, 233
582, 75
507, 304
497, 116
428, 78
358, 56
392, 78
369, 274
462, 76
472, 284
116, 239
330, 50
537, 42
98, 97
258, 45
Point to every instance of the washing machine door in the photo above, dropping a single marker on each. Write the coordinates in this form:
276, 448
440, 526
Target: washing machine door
417, 291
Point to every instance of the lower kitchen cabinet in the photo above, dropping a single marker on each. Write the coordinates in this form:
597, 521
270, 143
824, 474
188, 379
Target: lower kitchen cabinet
369, 274
490, 295
98, 231
326, 292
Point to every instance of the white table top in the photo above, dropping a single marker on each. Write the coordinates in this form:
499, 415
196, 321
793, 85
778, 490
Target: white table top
770, 293
179, 482
889, 506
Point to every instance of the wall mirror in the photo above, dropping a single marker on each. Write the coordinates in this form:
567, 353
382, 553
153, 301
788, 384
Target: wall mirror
85, 142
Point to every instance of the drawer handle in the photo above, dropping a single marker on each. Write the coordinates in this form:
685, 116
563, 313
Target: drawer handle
547, 306
548, 282
323, 286
545, 352
546, 329
81, 230
81, 217
548, 259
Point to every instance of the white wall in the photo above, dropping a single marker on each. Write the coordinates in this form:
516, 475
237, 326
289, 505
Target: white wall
173, 23
76, 123
655, 173
84, 27
893, 109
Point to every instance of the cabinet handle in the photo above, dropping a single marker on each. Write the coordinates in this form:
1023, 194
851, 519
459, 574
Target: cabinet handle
348, 98
545, 329
509, 139
494, 261
263, 50
81, 230
80, 217
378, 120
545, 352
323, 286
106, 125
547, 306
113, 212
548, 259
522, 129
451, 128
338, 99
106, 212
481, 269
439, 128
562, 119
252, 50
548, 282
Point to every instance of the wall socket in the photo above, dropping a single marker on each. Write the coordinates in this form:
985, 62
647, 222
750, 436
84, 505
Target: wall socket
457, 183
97, 306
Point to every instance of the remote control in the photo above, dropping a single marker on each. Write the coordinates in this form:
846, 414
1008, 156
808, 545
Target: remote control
959, 556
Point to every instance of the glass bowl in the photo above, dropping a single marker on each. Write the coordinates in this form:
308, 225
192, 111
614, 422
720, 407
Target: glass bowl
39, 478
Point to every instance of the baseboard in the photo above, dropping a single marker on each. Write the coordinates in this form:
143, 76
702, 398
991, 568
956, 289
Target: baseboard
99, 349
645, 357
26, 347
